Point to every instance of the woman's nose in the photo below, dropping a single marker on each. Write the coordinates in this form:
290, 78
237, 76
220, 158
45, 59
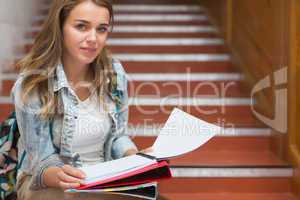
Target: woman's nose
92, 35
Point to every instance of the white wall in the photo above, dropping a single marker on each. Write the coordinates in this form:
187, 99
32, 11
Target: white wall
16, 17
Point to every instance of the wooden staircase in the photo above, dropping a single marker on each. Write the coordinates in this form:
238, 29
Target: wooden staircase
174, 58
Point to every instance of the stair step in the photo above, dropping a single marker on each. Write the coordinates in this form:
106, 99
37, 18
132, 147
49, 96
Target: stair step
186, 89
155, 2
174, 29
220, 144
6, 87
229, 195
225, 185
233, 116
224, 151
169, 49
171, 88
33, 34
153, 131
161, 49
161, 23
164, 29
177, 67
157, 8
5, 110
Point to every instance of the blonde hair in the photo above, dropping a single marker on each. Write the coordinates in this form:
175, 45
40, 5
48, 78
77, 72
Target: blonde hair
46, 54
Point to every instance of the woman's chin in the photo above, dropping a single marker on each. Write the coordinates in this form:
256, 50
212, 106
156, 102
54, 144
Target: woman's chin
87, 61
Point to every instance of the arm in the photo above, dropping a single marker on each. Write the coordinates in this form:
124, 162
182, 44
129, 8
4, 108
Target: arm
35, 139
122, 144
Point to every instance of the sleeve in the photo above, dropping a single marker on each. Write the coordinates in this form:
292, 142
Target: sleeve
35, 138
122, 142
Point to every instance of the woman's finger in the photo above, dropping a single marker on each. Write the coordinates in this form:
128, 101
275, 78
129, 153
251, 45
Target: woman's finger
65, 185
72, 171
67, 178
148, 150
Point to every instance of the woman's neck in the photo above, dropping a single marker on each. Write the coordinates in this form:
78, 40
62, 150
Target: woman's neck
75, 72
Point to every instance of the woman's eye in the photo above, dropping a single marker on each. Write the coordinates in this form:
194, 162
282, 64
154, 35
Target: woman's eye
81, 27
102, 29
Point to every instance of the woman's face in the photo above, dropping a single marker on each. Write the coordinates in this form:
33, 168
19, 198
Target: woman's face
85, 32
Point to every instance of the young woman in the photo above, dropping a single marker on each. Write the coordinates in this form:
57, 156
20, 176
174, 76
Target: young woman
70, 101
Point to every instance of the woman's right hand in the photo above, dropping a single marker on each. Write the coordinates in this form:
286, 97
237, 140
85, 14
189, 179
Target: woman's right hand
70, 177
65, 177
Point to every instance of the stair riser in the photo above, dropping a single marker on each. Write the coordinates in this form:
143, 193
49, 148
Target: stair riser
177, 67
234, 116
186, 89
40, 22
149, 35
169, 49
155, 2
5, 110
227, 116
224, 151
161, 49
171, 89
6, 87
218, 144
229, 195
218, 185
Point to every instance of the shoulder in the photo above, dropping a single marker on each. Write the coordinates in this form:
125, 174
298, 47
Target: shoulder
118, 67
121, 74
17, 92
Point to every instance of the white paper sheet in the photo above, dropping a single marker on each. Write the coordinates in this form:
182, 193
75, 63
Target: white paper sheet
113, 168
181, 134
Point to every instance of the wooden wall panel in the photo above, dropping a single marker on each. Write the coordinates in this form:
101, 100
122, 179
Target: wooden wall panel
264, 36
259, 41
294, 87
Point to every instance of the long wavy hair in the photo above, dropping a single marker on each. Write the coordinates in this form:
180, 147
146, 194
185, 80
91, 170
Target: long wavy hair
40, 63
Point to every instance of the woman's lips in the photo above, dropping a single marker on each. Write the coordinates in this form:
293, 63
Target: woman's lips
89, 50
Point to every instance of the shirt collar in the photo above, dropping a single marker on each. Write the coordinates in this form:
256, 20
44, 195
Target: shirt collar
60, 80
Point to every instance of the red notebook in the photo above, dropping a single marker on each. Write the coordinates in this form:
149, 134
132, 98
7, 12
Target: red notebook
151, 173
136, 177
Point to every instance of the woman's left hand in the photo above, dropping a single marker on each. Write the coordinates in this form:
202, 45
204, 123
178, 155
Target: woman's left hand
134, 151
147, 150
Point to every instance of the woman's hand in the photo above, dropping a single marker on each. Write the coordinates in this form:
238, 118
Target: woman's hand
134, 151
70, 177
147, 150
66, 177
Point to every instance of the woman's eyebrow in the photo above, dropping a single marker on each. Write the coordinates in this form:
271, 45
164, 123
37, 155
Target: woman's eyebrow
83, 21
87, 22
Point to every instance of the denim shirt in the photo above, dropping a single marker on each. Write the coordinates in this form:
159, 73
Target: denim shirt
38, 149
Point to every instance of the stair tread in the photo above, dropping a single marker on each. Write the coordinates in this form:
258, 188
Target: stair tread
231, 196
230, 119
226, 185
172, 88
233, 116
225, 151
32, 34
229, 158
